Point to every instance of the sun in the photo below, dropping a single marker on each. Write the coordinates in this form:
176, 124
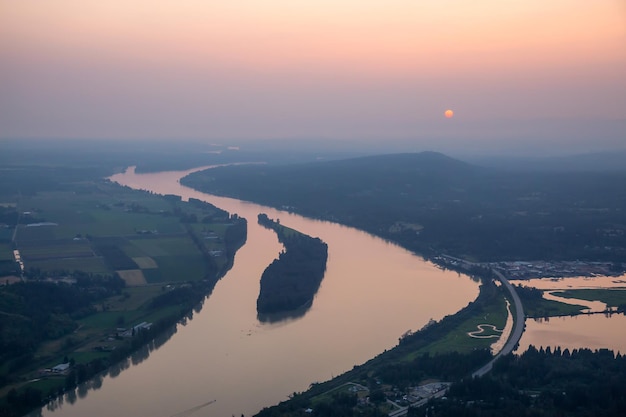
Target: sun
448, 113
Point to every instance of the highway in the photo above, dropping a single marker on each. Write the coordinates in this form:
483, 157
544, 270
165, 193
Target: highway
514, 338
518, 327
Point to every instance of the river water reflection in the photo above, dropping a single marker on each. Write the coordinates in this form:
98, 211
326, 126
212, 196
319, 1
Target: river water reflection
225, 362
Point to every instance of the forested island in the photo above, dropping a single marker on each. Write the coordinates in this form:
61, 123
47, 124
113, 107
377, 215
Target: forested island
291, 281
433, 204
82, 305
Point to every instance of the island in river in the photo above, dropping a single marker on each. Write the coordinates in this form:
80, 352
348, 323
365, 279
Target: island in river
433, 204
425, 364
290, 282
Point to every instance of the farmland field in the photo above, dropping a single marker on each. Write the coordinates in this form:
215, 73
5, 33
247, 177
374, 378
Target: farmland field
100, 247
165, 246
176, 268
145, 262
6, 233
102, 228
56, 249
132, 277
93, 265
6, 252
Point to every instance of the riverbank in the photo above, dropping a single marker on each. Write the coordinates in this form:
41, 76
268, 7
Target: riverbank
114, 271
352, 300
412, 361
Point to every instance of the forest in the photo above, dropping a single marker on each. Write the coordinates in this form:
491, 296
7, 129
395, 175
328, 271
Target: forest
433, 204
536, 383
291, 281
540, 383
35, 311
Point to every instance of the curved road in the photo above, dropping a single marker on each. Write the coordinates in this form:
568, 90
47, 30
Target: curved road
518, 327
515, 336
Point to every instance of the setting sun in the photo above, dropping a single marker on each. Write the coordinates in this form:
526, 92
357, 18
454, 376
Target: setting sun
448, 113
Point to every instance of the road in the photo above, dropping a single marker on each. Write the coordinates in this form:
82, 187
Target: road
518, 326
514, 338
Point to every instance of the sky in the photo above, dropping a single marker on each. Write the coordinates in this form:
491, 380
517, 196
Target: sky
521, 76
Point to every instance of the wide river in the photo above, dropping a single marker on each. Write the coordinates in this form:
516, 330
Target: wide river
225, 362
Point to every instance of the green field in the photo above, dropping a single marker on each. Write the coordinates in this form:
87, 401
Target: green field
55, 249
177, 268
458, 339
93, 265
100, 229
611, 297
6, 252
550, 308
6, 233
104, 229
165, 246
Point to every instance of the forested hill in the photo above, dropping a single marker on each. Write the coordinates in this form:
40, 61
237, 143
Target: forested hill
431, 203
426, 170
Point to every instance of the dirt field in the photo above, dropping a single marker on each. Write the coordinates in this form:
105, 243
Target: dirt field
145, 262
133, 277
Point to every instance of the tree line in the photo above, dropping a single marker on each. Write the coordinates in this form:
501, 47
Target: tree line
540, 382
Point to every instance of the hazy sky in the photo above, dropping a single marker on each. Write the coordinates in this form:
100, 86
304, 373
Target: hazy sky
525, 74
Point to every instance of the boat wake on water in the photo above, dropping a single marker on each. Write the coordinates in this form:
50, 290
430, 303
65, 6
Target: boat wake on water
193, 410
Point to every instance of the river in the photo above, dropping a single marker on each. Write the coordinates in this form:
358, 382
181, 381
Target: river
225, 362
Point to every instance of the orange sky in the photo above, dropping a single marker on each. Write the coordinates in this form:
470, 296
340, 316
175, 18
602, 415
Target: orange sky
303, 69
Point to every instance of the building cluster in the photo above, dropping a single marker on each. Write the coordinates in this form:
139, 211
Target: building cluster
546, 269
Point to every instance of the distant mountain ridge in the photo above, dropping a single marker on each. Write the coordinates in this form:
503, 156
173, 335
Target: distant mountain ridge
427, 158
587, 162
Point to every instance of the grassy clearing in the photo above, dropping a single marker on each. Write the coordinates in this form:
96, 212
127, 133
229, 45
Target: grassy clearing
550, 308
288, 231
56, 249
133, 277
49, 384
182, 268
347, 388
6, 252
161, 313
203, 228
30, 234
94, 265
86, 357
613, 297
165, 246
115, 223
145, 262
6, 233
458, 339
108, 319
133, 298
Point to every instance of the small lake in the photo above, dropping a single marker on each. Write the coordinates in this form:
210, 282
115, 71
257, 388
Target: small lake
593, 331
